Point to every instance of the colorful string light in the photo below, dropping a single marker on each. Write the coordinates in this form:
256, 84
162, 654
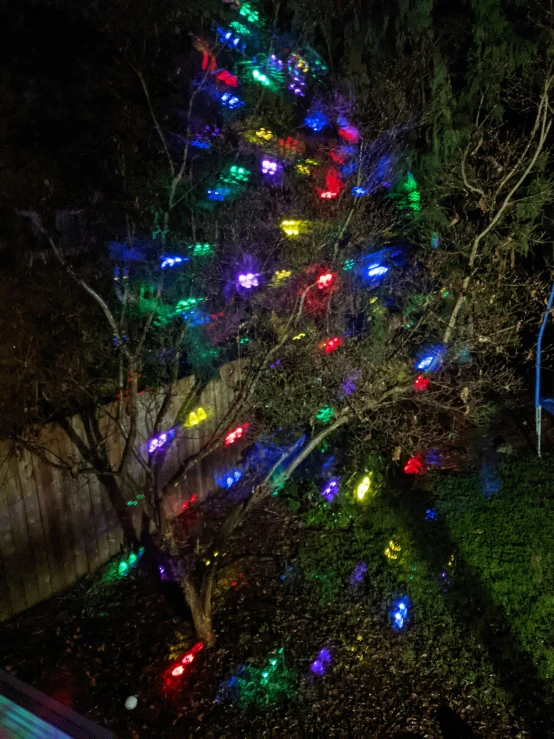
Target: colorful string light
398, 614
270, 167
236, 175
187, 304
325, 414
158, 442
196, 417
348, 387
408, 194
200, 144
173, 261
290, 147
201, 250
331, 490
317, 121
187, 659
228, 38
291, 228
264, 134
326, 280
240, 28
236, 434
120, 273
283, 274
330, 345
120, 568
275, 63
350, 133
295, 64
358, 574
297, 68
430, 360
415, 465
321, 663
365, 486
195, 317
249, 280
393, 550
251, 15
218, 193
261, 78
421, 384
376, 270
333, 185
229, 478
227, 78
434, 458
231, 101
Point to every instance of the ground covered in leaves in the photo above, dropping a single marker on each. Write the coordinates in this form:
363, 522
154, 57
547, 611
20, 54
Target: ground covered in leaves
115, 634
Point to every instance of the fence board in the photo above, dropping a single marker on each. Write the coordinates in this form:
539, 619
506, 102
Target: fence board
71, 484
60, 497
87, 533
34, 524
20, 534
49, 519
100, 519
7, 560
8, 544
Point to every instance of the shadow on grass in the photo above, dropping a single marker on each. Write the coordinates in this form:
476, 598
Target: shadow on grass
472, 606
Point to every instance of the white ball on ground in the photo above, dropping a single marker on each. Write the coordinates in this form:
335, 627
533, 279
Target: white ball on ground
131, 702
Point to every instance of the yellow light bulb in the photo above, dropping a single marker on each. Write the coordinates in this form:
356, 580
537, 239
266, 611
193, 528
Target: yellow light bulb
263, 134
363, 488
290, 228
283, 274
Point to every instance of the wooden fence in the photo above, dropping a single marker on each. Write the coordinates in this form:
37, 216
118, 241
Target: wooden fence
55, 527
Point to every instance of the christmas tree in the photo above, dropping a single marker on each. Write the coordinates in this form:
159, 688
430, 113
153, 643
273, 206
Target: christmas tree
289, 232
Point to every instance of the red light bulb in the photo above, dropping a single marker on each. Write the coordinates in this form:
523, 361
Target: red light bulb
415, 465
421, 383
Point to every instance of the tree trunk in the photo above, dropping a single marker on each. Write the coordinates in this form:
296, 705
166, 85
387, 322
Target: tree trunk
199, 600
122, 511
202, 618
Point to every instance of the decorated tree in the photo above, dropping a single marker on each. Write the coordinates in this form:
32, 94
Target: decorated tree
288, 230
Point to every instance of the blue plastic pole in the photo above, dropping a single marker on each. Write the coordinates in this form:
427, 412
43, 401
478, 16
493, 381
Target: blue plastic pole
538, 415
